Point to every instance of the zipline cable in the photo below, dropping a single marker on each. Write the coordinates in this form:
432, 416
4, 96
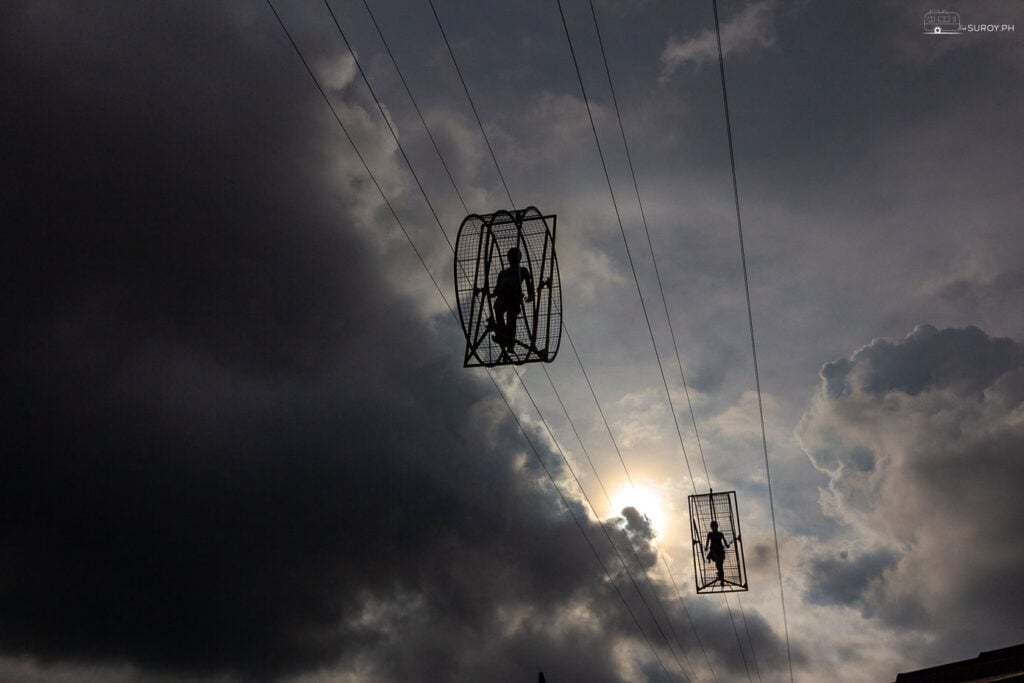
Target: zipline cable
547, 374
753, 344
493, 381
743, 655
387, 122
750, 639
650, 244
657, 272
604, 525
412, 170
629, 255
423, 120
636, 556
471, 104
575, 519
618, 452
579, 360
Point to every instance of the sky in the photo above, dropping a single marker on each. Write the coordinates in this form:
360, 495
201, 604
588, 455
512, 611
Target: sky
241, 444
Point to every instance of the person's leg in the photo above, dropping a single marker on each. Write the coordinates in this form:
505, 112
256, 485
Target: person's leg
510, 326
499, 319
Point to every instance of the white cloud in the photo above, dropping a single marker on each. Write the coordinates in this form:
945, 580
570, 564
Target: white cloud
639, 417
549, 127
751, 29
338, 72
923, 444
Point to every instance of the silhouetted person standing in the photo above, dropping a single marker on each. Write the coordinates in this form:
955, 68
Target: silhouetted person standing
508, 298
715, 548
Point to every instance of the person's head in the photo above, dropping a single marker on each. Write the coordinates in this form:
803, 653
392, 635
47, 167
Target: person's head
714, 526
514, 256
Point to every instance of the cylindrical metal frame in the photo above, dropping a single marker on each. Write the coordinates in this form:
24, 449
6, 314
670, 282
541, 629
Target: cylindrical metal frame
480, 254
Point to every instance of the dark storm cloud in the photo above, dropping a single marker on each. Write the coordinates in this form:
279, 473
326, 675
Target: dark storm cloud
922, 442
637, 524
992, 298
842, 579
639, 533
177, 491
742, 642
235, 449
927, 359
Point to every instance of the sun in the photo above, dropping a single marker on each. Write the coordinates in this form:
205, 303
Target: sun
643, 499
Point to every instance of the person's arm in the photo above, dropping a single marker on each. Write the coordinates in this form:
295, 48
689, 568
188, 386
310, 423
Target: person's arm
529, 286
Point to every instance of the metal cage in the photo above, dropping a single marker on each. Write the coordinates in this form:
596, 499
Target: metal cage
717, 507
480, 255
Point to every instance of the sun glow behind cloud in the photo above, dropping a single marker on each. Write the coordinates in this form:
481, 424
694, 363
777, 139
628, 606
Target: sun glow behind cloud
646, 501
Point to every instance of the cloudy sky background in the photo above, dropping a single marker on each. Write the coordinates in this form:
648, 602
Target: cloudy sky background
243, 447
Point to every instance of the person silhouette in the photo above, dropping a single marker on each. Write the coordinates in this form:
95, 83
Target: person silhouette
715, 548
508, 299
